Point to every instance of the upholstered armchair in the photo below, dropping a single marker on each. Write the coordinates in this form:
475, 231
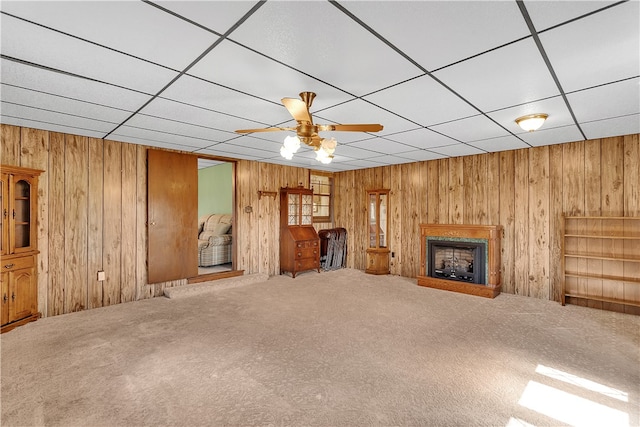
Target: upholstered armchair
214, 239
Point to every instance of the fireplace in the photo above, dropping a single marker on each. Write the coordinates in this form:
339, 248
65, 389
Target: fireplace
461, 258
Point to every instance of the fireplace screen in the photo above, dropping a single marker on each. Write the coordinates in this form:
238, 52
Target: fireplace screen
463, 261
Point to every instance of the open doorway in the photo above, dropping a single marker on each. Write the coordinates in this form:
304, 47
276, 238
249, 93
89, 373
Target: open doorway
216, 231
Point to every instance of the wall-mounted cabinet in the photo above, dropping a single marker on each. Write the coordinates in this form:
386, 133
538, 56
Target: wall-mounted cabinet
378, 228
601, 262
299, 241
18, 246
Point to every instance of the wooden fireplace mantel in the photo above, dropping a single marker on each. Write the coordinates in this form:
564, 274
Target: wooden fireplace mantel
492, 233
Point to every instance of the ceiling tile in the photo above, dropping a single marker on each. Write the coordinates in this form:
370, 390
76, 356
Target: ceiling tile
502, 143
333, 48
45, 47
63, 85
180, 142
354, 152
616, 99
383, 146
61, 119
53, 127
423, 100
273, 82
421, 138
598, 49
136, 28
233, 150
471, 129
456, 150
545, 14
217, 15
179, 128
438, 33
359, 111
213, 97
508, 76
548, 136
30, 98
421, 155
626, 125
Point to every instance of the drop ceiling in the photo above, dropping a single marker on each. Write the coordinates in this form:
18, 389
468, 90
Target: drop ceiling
444, 78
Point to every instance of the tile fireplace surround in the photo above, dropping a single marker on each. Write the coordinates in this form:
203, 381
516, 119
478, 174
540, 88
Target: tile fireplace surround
490, 234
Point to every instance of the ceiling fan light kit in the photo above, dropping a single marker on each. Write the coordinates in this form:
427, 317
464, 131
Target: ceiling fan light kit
307, 131
531, 122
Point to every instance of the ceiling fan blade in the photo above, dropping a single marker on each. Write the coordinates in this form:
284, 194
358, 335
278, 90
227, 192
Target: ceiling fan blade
298, 109
263, 130
372, 127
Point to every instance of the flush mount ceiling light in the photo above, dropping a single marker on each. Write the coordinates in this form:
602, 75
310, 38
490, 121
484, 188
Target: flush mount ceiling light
531, 122
307, 131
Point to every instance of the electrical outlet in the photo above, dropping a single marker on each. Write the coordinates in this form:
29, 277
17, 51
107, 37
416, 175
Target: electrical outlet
101, 276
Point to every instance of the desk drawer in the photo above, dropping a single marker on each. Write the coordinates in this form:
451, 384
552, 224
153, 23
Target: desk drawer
18, 263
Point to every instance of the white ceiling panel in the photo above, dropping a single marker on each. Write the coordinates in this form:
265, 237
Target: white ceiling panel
40, 100
545, 14
72, 87
612, 100
232, 150
46, 116
625, 125
331, 48
274, 81
258, 143
41, 46
548, 136
437, 33
391, 160
200, 93
181, 142
132, 27
359, 111
421, 138
420, 155
556, 108
53, 127
179, 128
354, 152
382, 145
471, 129
457, 150
512, 75
500, 144
217, 15
424, 101
613, 40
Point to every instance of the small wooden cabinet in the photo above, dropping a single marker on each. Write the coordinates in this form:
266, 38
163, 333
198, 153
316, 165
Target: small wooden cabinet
299, 241
18, 246
378, 226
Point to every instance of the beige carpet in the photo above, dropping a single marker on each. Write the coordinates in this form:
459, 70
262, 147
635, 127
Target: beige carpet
339, 348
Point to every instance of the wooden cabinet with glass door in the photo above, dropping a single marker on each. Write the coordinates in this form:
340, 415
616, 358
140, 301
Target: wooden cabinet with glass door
18, 246
378, 228
299, 241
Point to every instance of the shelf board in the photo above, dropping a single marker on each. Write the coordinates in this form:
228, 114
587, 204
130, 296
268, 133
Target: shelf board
601, 257
604, 299
604, 277
631, 218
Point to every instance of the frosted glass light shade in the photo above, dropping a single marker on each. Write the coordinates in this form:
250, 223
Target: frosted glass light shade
531, 122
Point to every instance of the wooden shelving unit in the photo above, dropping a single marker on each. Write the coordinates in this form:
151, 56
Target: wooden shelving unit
601, 262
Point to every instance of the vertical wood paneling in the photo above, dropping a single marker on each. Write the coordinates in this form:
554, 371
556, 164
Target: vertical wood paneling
10, 145
143, 290
456, 190
556, 220
95, 221
631, 188
57, 248
443, 191
507, 219
433, 188
492, 189
573, 201
521, 222
592, 207
539, 223
128, 224
76, 187
34, 149
395, 215
112, 254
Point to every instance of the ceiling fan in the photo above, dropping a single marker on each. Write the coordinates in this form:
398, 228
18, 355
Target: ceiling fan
307, 131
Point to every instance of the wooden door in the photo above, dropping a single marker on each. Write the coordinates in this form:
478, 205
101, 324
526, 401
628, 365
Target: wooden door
4, 214
23, 289
172, 181
4, 284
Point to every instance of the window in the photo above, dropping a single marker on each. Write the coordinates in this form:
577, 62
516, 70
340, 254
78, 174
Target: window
322, 184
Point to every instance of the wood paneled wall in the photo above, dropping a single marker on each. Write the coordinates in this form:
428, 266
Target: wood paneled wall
92, 210
526, 191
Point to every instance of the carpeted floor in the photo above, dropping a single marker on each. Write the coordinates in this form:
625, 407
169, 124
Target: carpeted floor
339, 348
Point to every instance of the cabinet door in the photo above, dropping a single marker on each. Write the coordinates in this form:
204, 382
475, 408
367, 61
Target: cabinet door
23, 288
4, 284
22, 229
4, 214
